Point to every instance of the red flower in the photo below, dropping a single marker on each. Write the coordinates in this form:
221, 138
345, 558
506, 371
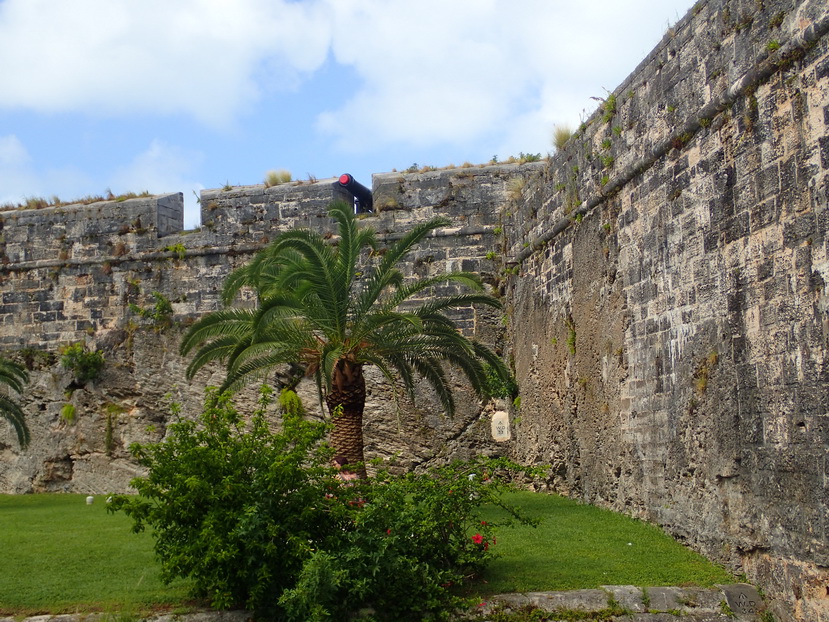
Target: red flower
478, 538
483, 522
388, 531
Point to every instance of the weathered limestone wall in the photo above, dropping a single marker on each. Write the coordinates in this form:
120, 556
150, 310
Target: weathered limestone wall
70, 274
664, 278
669, 319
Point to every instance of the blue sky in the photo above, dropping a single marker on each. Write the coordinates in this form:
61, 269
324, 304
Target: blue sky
180, 95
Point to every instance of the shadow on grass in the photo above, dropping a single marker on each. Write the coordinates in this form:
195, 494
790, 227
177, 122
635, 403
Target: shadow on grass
579, 546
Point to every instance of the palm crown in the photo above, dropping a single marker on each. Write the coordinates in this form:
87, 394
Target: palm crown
332, 307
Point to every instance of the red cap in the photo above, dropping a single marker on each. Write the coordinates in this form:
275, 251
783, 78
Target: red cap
345, 178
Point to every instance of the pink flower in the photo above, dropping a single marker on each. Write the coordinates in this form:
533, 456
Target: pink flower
477, 538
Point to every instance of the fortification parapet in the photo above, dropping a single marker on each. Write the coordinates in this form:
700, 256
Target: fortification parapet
88, 232
250, 213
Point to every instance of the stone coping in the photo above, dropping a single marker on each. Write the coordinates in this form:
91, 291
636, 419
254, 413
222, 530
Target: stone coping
648, 604
739, 601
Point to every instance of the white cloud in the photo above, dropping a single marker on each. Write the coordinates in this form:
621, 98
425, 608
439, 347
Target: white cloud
163, 168
449, 72
198, 57
20, 178
16, 174
485, 74
431, 70
12, 152
14, 162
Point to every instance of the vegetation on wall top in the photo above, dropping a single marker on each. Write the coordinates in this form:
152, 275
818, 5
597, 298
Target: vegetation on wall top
41, 203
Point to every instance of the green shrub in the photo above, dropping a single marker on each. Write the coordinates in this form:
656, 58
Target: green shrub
85, 365
67, 413
415, 539
179, 249
609, 108
159, 314
561, 134
498, 387
528, 157
236, 508
571, 335
277, 177
259, 519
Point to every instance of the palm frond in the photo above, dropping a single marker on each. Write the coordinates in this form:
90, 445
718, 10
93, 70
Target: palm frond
13, 374
11, 412
432, 371
419, 286
260, 274
381, 326
318, 274
404, 245
331, 353
353, 240
15, 377
314, 309
220, 323
393, 361
436, 306
221, 349
386, 270
255, 362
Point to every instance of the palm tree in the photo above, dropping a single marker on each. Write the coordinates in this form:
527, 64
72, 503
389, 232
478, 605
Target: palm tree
331, 307
15, 377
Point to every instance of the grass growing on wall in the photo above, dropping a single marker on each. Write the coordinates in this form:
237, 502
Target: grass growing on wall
61, 555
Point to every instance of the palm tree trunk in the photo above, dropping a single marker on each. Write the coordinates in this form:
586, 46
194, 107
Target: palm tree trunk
346, 402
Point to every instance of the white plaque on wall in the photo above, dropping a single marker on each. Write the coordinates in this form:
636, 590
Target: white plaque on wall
500, 426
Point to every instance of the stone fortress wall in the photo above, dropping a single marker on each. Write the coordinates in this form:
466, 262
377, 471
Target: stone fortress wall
664, 279
70, 274
670, 313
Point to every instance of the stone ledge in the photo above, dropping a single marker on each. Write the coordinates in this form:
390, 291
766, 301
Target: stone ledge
197, 616
650, 604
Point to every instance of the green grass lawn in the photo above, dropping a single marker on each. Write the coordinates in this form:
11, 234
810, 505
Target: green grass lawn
580, 546
61, 555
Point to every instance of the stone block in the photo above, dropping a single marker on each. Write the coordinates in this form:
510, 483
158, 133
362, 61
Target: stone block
743, 599
629, 597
